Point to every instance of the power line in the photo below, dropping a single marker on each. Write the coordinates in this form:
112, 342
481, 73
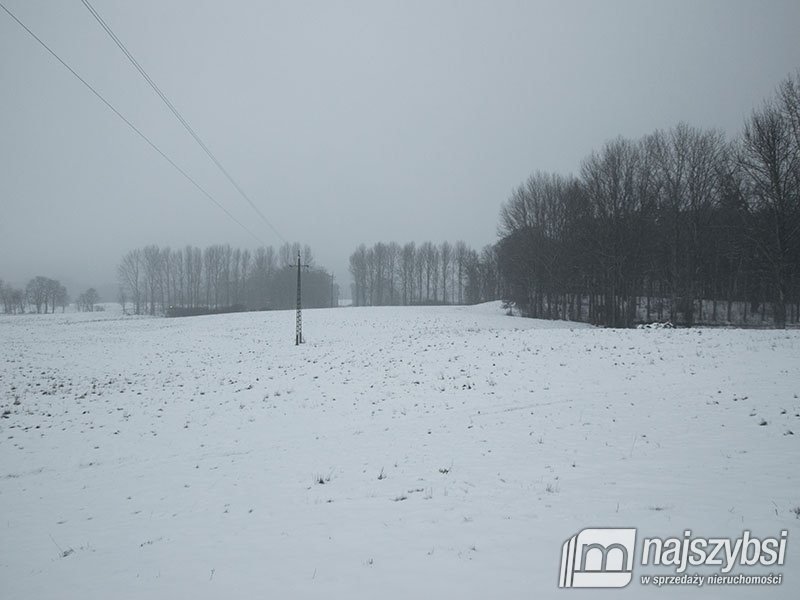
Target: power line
177, 114
129, 124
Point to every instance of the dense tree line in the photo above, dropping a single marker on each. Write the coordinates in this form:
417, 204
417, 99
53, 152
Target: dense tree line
681, 224
153, 279
391, 274
41, 295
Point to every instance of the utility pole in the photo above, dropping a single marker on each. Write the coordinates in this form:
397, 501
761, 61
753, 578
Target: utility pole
298, 336
332, 278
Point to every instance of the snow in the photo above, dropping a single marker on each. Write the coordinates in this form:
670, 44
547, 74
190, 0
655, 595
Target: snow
400, 453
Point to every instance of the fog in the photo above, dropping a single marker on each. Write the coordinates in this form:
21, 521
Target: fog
344, 122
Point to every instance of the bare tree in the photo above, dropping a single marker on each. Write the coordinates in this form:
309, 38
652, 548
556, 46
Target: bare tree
12, 299
122, 298
446, 256
771, 161
245, 275
37, 292
213, 273
419, 269
358, 269
789, 104
392, 259
61, 297
86, 301
460, 257
430, 259
286, 255
151, 267
407, 272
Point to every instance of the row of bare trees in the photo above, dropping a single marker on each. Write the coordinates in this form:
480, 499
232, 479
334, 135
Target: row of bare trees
153, 279
681, 224
41, 295
391, 274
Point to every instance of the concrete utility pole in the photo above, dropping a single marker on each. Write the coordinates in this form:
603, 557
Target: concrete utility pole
298, 335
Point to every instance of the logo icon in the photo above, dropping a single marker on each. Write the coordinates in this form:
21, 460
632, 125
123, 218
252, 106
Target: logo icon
598, 558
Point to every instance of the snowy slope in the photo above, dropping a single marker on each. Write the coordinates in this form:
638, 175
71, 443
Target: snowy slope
400, 453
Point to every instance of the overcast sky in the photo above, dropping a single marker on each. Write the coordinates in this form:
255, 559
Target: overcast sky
344, 122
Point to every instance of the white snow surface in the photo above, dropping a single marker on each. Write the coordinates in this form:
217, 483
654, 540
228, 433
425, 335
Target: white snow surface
436, 452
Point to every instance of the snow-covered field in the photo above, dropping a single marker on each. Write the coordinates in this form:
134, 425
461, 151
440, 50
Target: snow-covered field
400, 453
